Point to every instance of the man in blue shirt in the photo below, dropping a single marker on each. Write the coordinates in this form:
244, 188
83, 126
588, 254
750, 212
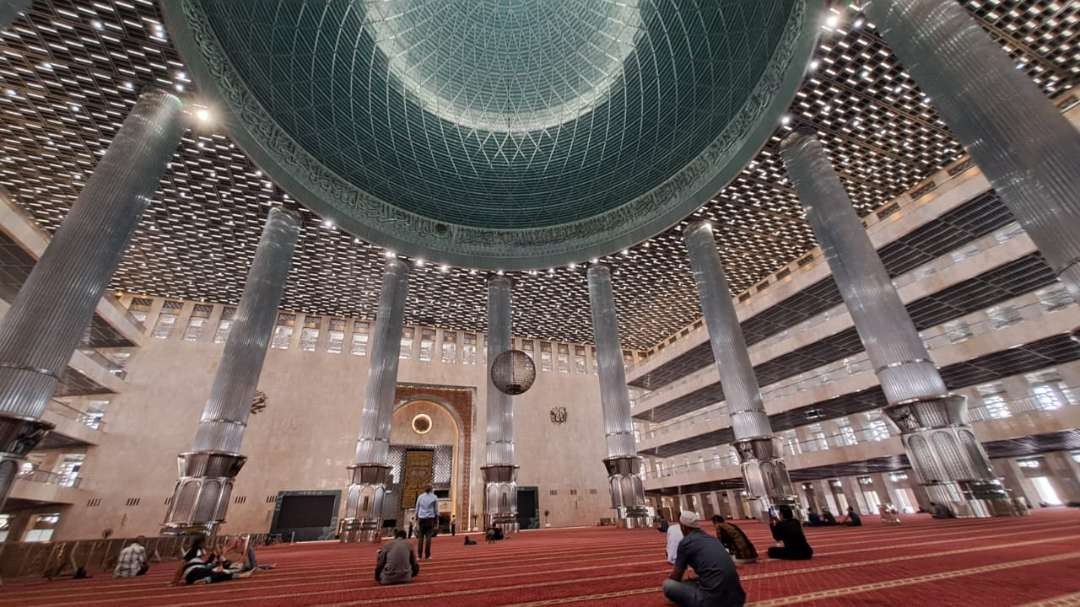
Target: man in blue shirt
427, 512
717, 582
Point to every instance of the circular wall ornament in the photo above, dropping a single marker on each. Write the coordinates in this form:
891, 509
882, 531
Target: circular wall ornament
513, 372
558, 415
421, 423
499, 134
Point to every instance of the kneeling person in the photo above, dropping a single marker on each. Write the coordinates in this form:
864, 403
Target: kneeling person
397, 562
717, 582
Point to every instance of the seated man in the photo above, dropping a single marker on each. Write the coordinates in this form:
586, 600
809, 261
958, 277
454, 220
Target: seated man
717, 582
827, 518
941, 511
132, 561
735, 540
852, 519
396, 563
674, 536
813, 519
788, 533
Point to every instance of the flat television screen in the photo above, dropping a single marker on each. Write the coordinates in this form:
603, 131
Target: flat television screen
305, 511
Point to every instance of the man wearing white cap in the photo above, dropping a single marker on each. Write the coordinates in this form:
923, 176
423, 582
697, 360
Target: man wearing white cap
717, 582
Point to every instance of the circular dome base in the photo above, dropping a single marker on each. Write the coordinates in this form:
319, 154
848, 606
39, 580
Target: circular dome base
499, 134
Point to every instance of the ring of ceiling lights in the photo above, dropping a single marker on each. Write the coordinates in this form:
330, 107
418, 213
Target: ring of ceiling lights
387, 116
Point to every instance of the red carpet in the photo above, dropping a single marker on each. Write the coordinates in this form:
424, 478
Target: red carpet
923, 562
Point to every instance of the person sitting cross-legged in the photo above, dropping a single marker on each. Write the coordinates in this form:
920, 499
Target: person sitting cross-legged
132, 561
396, 563
852, 519
717, 582
735, 540
788, 533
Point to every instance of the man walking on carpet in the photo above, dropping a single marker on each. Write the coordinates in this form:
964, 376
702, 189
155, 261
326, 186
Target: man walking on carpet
717, 582
427, 512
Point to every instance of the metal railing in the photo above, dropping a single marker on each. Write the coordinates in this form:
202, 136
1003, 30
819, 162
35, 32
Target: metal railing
51, 478
1027, 405
993, 240
54, 559
934, 338
93, 421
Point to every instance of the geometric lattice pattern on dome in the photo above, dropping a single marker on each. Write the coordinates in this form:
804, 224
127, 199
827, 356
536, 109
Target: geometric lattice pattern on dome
502, 132
70, 72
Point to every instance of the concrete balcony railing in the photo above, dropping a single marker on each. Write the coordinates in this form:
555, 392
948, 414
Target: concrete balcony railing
981, 336
953, 186
1027, 416
983, 254
42, 488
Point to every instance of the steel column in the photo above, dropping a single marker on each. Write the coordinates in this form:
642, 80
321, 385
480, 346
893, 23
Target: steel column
56, 303
622, 462
500, 473
201, 496
943, 451
759, 452
370, 474
1025, 147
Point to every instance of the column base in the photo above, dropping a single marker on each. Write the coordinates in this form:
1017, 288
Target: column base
18, 436
364, 503
948, 459
766, 477
201, 496
627, 492
500, 498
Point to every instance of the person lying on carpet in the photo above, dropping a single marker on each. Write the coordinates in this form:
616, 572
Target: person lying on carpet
717, 582
201, 567
735, 541
396, 563
791, 543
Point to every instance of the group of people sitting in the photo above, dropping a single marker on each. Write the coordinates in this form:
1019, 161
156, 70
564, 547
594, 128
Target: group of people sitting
713, 559
198, 565
826, 518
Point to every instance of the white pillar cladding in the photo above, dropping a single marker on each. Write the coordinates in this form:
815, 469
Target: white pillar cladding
56, 303
1028, 151
370, 474
10, 9
500, 473
760, 454
940, 444
201, 496
622, 462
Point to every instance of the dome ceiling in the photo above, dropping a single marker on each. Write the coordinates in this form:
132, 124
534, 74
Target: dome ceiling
499, 134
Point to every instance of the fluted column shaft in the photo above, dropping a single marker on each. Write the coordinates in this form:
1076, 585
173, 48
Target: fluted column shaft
1025, 147
500, 473
943, 450
56, 303
207, 472
892, 343
763, 468
369, 476
622, 462
224, 418
500, 409
614, 397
